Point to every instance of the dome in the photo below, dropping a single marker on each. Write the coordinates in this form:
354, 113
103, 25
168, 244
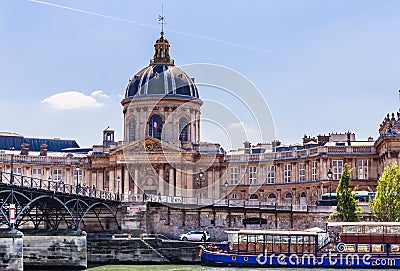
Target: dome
161, 77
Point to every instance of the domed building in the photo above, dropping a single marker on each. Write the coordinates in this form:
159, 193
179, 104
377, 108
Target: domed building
161, 154
162, 101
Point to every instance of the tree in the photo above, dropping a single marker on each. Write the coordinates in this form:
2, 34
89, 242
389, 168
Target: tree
386, 204
347, 208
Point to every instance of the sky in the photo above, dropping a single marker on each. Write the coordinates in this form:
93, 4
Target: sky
321, 66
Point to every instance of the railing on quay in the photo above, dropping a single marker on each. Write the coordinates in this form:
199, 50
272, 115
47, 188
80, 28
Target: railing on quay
55, 186
179, 200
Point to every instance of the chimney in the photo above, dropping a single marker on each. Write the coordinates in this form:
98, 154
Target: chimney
43, 150
348, 139
24, 149
247, 146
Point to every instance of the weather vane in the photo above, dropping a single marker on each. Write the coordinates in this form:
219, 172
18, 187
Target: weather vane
161, 19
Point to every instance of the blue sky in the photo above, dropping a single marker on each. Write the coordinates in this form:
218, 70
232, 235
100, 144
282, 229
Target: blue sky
322, 66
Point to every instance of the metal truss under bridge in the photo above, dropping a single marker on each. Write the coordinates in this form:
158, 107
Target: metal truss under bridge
31, 203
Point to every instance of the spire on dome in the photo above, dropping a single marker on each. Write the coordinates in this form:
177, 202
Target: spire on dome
161, 54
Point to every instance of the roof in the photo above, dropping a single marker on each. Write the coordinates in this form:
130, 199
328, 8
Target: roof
367, 223
8, 140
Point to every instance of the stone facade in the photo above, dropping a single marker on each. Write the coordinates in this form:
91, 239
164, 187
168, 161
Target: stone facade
161, 157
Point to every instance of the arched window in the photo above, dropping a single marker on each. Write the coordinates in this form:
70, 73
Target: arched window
132, 129
288, 199
235, 196
183, 129
271, 198
303, 198
155, 127
253, 196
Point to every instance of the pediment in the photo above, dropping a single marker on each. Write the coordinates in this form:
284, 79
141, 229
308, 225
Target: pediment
150, 145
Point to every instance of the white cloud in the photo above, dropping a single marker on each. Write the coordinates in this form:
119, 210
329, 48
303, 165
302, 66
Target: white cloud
100, 94
236, 125
74, 100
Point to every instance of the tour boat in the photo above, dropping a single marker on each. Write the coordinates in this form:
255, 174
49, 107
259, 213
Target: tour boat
341, 244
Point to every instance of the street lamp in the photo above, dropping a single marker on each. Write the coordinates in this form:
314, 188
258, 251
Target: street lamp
77, 168
330, 175
12, 165
226, 192
118, 180
200, 179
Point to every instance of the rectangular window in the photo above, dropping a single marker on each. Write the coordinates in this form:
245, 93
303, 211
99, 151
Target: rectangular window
17, 170
337, 168
37, 173
314, 171
234, 174
78, 176
362, 169
252, 175
271, 174
302, 172
287, 172
57, 174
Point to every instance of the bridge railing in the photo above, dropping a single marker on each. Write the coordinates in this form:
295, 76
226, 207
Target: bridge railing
55, 186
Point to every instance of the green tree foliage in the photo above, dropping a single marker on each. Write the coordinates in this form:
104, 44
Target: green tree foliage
386, 204
347, 208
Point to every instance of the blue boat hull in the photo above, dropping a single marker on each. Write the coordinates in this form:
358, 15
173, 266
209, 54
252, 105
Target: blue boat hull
332, 260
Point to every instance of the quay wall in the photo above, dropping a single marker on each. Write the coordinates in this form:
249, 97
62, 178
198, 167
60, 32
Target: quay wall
142, 251
60, 249
11, 248
172, 221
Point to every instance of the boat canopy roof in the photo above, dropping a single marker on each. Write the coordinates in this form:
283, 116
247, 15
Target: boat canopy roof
367, 223
273, 232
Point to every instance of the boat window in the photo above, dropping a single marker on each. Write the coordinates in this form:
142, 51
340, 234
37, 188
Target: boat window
285, 239
251, 238
393, 229
377, 248
277, 239
260, 238
373, 229
350, 248
363, 248
269, 238
395, 248
352, 229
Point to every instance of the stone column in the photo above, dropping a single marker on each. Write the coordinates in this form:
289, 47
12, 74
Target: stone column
136, 181
111, 181
178, 182
161, 179
171, 187
217, 184
126, 181
209, 182
189, 182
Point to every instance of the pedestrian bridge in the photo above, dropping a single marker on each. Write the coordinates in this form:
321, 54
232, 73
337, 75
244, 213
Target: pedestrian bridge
32, 203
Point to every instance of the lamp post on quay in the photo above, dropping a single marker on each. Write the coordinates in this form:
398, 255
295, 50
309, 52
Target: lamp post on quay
77, 168
12, 166
226, 189
330, 175
200, 179
118, 181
